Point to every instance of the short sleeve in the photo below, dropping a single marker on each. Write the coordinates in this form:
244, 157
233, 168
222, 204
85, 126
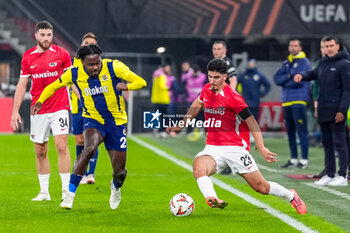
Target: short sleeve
67, 61
25, 72
201, 96
237, 103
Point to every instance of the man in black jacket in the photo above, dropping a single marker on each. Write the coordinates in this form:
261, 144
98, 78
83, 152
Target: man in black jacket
333, 76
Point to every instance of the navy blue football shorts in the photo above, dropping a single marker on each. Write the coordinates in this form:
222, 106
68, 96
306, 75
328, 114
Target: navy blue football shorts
114, 135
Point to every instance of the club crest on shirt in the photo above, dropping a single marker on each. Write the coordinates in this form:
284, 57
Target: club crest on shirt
104, 77
124, 131
52, 64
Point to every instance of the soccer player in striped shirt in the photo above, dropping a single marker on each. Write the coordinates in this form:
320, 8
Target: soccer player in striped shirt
100, 86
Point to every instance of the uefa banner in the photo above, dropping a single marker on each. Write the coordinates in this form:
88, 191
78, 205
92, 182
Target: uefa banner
230, 18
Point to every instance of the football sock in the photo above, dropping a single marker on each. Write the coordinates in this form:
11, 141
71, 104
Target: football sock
92, 164
294, 161
303, 161
116, 184
44, 182
78, 150
206, 186
280, 191
65, 180
74, 182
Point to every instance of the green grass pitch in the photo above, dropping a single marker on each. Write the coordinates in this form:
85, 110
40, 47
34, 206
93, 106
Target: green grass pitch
151, 182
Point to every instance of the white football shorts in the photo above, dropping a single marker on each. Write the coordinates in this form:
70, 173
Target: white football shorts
41, 124
237, 158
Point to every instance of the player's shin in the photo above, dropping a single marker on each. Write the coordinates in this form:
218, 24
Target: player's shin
206, 186
280, 191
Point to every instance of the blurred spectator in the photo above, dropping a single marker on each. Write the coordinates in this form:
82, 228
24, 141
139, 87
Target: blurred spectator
173, 90
333, 76
219, 51
294, 101
254, 86
160, 95
193, 83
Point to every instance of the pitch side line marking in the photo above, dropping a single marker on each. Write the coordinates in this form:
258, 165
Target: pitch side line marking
283, 217
269, 169
329, 190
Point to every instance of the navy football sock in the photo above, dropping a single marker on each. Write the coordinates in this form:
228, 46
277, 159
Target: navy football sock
92, 164
74, 182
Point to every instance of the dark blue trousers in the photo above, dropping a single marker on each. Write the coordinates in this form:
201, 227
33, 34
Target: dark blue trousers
334, 138
295, 120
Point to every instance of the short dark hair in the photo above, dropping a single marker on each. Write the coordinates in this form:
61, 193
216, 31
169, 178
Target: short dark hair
220, 42
89, 35
43, 25
329, 38
295, 39
218, 65
88, 50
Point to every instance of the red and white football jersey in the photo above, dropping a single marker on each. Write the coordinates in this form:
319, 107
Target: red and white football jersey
225, 107
44, 68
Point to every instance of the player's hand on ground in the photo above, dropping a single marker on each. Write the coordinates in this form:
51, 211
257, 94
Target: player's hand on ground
15, 120
175, 129
35, 108
268, 155
122, 87
298, 78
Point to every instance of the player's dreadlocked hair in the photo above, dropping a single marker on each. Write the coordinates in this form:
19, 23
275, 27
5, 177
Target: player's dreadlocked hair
88, 50
217, 65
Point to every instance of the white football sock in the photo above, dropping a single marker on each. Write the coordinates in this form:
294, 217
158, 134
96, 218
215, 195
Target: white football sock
206, 186
44, 182
65, 177
280, 191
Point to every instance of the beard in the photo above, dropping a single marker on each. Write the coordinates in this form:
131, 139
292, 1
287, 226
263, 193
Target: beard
45, 45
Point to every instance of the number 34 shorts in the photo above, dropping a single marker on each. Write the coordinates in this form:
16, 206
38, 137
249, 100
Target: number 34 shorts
237, 158
41, 124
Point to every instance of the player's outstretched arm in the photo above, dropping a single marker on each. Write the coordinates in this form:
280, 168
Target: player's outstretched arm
19, 95
47, 93
192, 112
256, 132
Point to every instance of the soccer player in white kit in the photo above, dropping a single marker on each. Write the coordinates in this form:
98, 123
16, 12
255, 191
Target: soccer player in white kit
228, 140
44, 64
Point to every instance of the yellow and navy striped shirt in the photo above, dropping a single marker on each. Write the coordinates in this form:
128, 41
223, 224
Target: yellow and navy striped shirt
100, 99
75, 102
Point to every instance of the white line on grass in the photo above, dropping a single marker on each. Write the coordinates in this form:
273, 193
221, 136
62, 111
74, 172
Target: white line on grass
269, 169
285, 218
329, 190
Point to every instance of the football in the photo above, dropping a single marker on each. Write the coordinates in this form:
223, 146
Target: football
181, 205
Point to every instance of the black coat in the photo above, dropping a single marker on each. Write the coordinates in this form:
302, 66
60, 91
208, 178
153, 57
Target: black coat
333, 76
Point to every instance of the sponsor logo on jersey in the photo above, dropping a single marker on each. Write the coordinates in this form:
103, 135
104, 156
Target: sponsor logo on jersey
52, 64
33, 66
46, 74
95, 90
219, 110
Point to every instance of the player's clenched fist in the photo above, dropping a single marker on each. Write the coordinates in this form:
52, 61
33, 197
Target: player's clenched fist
35, 108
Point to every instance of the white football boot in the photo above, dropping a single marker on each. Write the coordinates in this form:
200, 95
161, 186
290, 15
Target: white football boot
67, 202
115, 198
339, 181
42, 196
323, 181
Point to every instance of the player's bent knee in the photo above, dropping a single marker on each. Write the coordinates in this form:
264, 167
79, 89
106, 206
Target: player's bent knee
198, 172
120, 175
